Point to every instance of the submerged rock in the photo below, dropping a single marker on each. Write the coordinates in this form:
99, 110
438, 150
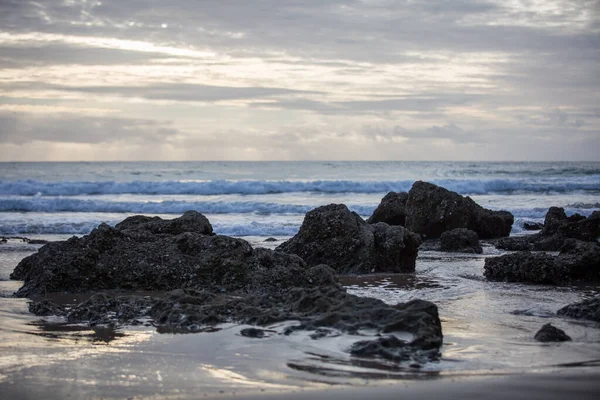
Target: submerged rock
460, 240
335, 236
576, 261
432, 210
587, 309
557, 229
549, 333
532, 226
391, 210
143, 253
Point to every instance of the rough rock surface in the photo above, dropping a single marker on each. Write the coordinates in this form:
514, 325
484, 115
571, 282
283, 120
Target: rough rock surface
549, 333
532, 226
587, 309
335, 236
557, 229
143, 253
391, 210
315, 308
432, 210
576, 261
460, 240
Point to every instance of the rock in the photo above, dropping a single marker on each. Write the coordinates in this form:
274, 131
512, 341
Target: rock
270, 239
45, 307
557, 228
576, 261
460, 240
532, 226
523, 266
144, 253
335, 236
587, 309
253, 333
391, 210
549, 333
432, 210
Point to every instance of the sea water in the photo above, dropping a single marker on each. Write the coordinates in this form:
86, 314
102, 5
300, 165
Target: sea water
488, 326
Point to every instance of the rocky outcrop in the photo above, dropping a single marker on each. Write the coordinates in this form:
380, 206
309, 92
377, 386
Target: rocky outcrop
549, 333
587, 309
460, 240
532, 226
143, 253
335, 236
576, 261
557, 229
432, 210
391, 210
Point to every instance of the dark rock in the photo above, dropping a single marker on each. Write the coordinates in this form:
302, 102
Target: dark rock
532, 226
253, 333
549, 333
391, 210
587, 309
151, 254
523, 266
38, 241
336, 236
432, 210
270, 239
460, 240
557, 228
45, 307
576, 261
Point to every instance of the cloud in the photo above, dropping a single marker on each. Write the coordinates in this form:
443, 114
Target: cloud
20, 128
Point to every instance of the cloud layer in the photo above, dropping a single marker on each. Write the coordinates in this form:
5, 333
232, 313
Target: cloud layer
300, 79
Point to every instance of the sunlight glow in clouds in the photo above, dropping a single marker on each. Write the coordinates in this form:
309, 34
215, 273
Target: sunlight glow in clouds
294, 80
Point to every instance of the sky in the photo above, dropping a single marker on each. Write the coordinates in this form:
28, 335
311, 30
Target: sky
299, 80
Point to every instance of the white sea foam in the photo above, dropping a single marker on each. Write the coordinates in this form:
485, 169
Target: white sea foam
220, 187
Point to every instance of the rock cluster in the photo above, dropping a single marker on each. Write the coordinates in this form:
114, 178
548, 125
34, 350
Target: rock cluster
557, 228
335, 236
576, 261
587, 309
430, 210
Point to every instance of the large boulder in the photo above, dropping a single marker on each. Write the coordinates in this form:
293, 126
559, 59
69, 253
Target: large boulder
144, 253
557, 229
587, 309
460, 240
335, 236
432, 210
550, 333
391, 210
577, 261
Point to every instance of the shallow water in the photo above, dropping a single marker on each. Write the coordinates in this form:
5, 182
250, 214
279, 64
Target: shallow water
488, 329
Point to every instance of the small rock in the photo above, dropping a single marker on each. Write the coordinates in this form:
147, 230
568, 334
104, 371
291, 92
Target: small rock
461, 240
549, 333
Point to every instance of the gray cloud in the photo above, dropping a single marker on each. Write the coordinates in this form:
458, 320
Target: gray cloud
20, 128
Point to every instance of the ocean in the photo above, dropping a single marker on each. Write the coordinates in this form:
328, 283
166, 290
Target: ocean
488, 326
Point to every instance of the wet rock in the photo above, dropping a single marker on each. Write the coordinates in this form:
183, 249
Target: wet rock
143, 253
45, 307
335, 236
532, 226
460, 240
587, 309
549, 333
432, 210
523, 266
391, 210
576, 261
270, 239
253, 333
557, 229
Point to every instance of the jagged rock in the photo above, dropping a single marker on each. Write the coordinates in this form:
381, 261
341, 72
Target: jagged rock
532, 226
549, 333
523, 266
45, 307
143, 253
432, 210
460, 240
587, 309
335, 236
557, 228
391, 210
577, 260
